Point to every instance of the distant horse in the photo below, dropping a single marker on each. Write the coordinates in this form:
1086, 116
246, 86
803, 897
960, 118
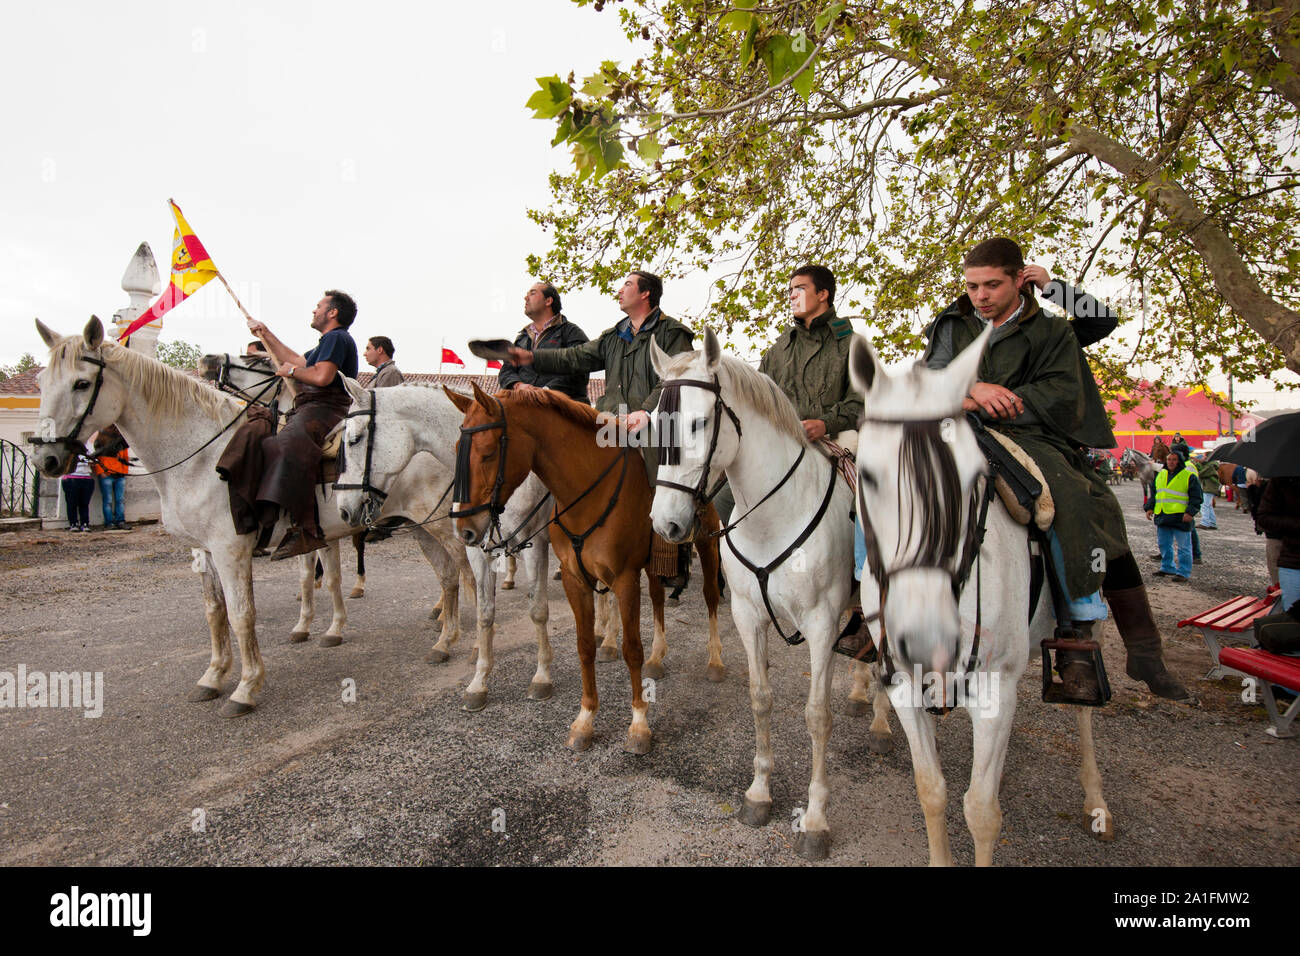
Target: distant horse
956, 627
600, 526
165, 415
382, 440
1146, 470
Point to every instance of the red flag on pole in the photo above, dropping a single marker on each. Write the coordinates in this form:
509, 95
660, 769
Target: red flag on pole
191, 268
493, 363
451, 358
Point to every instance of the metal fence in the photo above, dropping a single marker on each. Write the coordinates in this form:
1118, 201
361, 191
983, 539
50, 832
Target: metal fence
19, 482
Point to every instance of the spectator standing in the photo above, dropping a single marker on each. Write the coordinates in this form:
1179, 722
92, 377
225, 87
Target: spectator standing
1278, 515
379, 356
1174, 508
78, 489
1208, 473
110, 466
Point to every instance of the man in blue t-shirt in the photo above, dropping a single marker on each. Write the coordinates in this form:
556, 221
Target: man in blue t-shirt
293, 455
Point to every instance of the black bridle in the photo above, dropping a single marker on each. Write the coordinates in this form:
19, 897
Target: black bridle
671, 443
375, 497
71, 441
461, 482
670, 403
945, 559
264, 369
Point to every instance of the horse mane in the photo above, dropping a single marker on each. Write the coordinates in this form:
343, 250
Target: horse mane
576, 412
750, 386
169, 391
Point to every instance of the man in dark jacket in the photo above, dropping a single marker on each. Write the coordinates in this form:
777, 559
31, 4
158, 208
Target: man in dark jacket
293, 455
547, 328
1036, 387
1174, 508
631, 386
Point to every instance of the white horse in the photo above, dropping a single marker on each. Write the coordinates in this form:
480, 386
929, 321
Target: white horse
1146, 468
920, 482
165, 416
748, 429
380, 449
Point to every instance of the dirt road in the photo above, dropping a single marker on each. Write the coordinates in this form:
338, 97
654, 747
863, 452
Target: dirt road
404, 775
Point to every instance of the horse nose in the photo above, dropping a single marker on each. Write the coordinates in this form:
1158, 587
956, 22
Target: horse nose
467, 535
346, 515
674, 531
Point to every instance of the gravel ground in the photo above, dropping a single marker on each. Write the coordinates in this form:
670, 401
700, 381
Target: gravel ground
405, 776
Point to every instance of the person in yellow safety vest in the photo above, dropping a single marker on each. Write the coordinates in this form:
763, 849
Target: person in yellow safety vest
1174, 508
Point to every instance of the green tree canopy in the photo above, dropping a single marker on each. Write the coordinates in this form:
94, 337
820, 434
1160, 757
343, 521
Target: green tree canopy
26, 362
1150, 142
179, 354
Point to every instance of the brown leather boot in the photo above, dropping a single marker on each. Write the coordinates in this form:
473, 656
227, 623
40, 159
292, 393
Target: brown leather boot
1078, 674
855, 640
297, 541
1137, 629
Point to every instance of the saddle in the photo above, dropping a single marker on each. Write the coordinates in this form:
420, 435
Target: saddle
1019, 481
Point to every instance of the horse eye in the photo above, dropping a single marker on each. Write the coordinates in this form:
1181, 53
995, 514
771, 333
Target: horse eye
866, 478
699, 424
354, 439
82, 385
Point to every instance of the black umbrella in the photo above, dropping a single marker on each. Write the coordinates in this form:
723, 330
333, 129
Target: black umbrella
1272, 447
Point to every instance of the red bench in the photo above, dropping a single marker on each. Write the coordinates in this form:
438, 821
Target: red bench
1236, 616
1270, 669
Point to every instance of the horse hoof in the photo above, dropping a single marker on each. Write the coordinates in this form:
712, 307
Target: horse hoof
233, 708
637, 744
507, 585
755, 814
539, 691
578, 744
716, 674
297, 637
1106, 834
437, 656
605, 654
653, 670
330, 640
880, 743
201, 693
813, 844
358, 592
475, 701
856, 708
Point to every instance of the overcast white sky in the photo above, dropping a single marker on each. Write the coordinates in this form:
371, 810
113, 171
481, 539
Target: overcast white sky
381, 148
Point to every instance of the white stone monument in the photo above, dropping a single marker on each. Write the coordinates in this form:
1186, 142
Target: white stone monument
142, 285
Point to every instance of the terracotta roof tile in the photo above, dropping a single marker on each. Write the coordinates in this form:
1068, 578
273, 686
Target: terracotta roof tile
22, 384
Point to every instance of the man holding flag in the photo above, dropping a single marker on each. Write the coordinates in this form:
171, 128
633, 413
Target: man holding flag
293, 455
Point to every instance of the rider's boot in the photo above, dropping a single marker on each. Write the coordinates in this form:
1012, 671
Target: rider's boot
1137, 629
1077, 670
855, 640
298, 541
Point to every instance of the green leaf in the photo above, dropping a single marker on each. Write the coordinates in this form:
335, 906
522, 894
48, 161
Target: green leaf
803, 83
737, 20
747, 45
675, 201
597, 85
565, 130
552, 99
826, 16
648, 148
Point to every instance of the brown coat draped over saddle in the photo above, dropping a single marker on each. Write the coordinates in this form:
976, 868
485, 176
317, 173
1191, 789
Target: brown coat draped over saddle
241, 466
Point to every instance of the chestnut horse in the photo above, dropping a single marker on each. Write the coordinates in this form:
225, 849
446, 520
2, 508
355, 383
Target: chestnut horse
600, 528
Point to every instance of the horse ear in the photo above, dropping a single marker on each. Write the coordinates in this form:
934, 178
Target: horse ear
462, 402
354, 389
963, 370
48, 335
863, 364
93, 333
712, 349
486, 400
658, 358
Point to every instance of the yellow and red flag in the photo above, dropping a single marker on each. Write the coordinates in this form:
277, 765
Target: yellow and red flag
192, 268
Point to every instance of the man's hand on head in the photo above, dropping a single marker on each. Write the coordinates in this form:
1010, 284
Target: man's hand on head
1035, 274
996, 401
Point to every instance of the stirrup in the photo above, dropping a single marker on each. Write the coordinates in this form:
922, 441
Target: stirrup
1066, 639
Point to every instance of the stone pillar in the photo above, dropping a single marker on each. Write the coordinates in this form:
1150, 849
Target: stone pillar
142, 285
